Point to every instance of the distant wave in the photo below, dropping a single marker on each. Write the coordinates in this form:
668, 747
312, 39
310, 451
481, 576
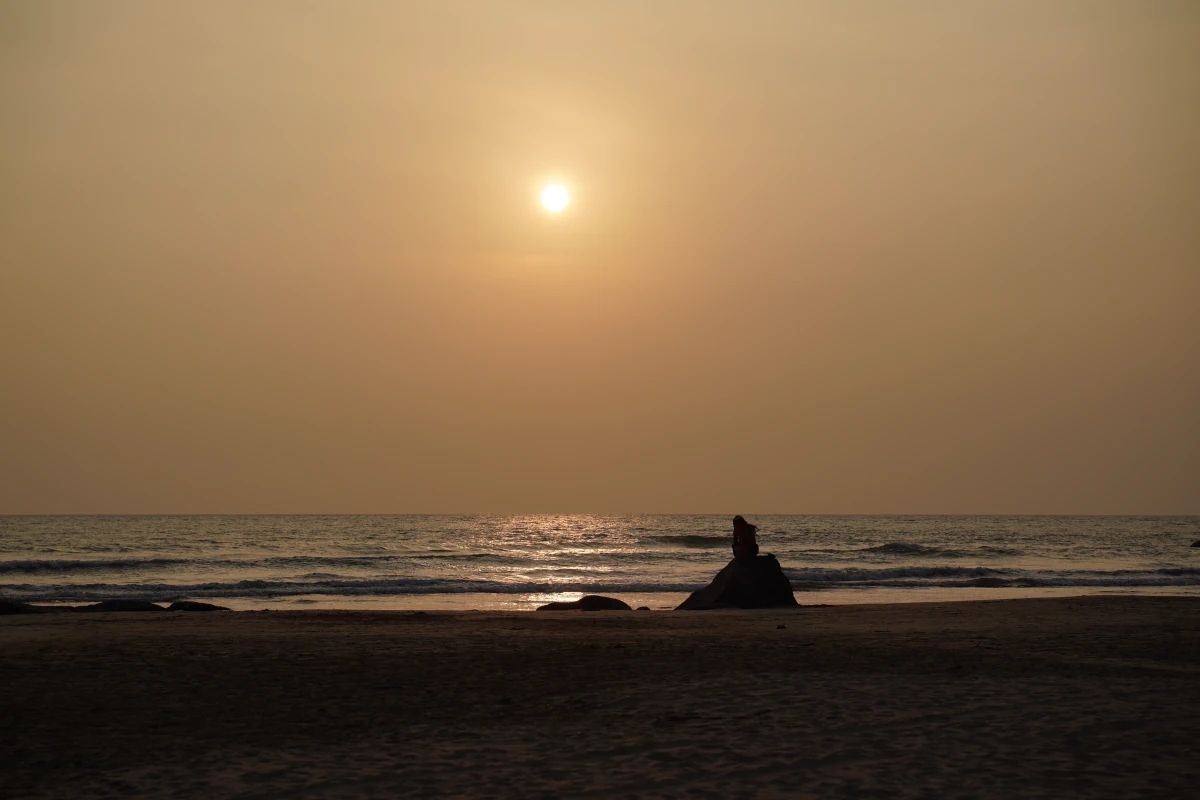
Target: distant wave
802, 579
67, 565
889, 575
1001, 551
902, 548
85, 565
914, 549
693, 540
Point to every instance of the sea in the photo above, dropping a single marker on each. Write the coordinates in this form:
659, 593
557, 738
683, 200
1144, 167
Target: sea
518, 562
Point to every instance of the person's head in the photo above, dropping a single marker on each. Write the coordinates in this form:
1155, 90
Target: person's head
739, 523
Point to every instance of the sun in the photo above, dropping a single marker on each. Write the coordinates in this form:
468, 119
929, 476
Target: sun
555, 197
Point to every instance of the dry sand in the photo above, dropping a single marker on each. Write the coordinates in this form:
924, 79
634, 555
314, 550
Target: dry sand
1080, 697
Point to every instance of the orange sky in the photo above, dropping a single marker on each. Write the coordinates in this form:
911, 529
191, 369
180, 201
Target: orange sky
820, 257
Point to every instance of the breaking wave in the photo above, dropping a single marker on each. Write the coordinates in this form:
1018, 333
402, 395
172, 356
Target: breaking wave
802, 579
339, 587
930, 577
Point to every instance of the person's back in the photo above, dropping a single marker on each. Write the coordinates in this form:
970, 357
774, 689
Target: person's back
745, 545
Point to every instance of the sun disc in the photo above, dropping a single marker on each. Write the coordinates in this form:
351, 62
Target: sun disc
555, 198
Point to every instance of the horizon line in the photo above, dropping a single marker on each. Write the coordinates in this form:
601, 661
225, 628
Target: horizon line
580, 514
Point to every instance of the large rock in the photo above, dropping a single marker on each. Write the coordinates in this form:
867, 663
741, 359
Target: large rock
756, 582
194, 605
121, 605
591, 602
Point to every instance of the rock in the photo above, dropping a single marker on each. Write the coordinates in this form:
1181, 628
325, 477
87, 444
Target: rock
193, 605
1196, 543
14, 607
643, 608
122, 605
756, 582
591, 602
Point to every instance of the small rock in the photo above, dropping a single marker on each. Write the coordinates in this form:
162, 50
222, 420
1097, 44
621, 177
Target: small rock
643, 608
1196, 543
193, 605
591, 602
780, 627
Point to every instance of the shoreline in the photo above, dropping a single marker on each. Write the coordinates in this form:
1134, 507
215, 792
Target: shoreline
1090, 696
657, 601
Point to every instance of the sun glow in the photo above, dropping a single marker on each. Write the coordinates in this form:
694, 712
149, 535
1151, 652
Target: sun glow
555, 197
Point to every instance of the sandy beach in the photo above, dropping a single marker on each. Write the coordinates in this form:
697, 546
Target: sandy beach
1077, 697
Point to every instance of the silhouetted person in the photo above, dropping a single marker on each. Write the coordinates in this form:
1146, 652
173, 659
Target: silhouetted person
744, 543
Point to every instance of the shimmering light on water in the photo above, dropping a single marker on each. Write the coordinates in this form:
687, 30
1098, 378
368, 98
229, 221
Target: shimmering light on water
517, 561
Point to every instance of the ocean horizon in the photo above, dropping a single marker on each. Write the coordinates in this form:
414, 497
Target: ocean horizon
517, 562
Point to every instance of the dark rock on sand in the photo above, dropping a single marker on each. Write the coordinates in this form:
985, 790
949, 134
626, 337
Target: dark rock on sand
643, 608
121, 605
756, 582
591, 602
14, 607
193, 605
1196, 543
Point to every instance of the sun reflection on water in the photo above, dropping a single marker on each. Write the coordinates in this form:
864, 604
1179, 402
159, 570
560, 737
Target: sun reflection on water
542, 598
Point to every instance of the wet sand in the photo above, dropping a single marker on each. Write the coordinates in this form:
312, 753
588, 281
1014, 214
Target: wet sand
1069, 697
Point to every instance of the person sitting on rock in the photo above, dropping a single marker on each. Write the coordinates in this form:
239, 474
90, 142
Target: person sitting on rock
744, 543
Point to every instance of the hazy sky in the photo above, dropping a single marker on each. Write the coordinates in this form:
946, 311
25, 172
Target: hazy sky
820, 256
